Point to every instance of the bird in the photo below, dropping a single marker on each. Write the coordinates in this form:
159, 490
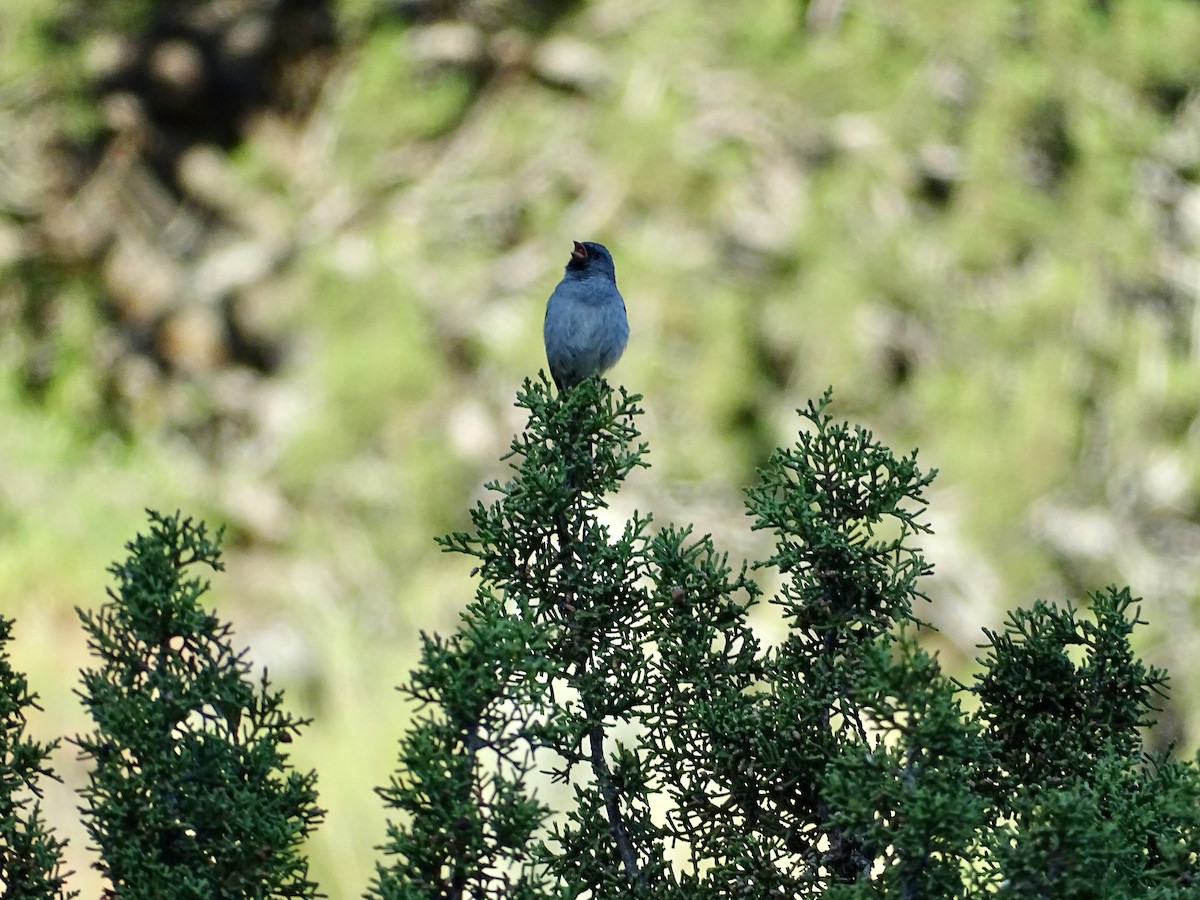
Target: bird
586, 328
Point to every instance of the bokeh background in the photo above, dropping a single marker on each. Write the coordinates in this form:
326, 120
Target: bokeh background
282, 264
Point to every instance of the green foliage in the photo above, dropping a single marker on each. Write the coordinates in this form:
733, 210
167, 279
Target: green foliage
1124, 828
30, 854
606, 721
190, 795
825, 501
555, 597
1045, 711
1079, 803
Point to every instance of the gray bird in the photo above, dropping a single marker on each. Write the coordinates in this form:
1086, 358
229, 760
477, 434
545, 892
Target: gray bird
585, 328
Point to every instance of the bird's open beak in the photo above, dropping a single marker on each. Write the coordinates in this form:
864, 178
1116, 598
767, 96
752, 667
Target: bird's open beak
580, 252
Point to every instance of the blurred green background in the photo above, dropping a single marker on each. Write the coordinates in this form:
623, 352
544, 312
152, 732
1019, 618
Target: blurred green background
282, 264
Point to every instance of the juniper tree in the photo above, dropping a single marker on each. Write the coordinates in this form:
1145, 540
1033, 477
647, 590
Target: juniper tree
607, 722
190, 794
30, 853
1077, 807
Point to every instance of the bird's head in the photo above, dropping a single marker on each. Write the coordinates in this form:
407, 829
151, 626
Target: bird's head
589, 256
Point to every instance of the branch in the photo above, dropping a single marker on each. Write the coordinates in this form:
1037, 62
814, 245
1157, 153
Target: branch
595, 723
616, 823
